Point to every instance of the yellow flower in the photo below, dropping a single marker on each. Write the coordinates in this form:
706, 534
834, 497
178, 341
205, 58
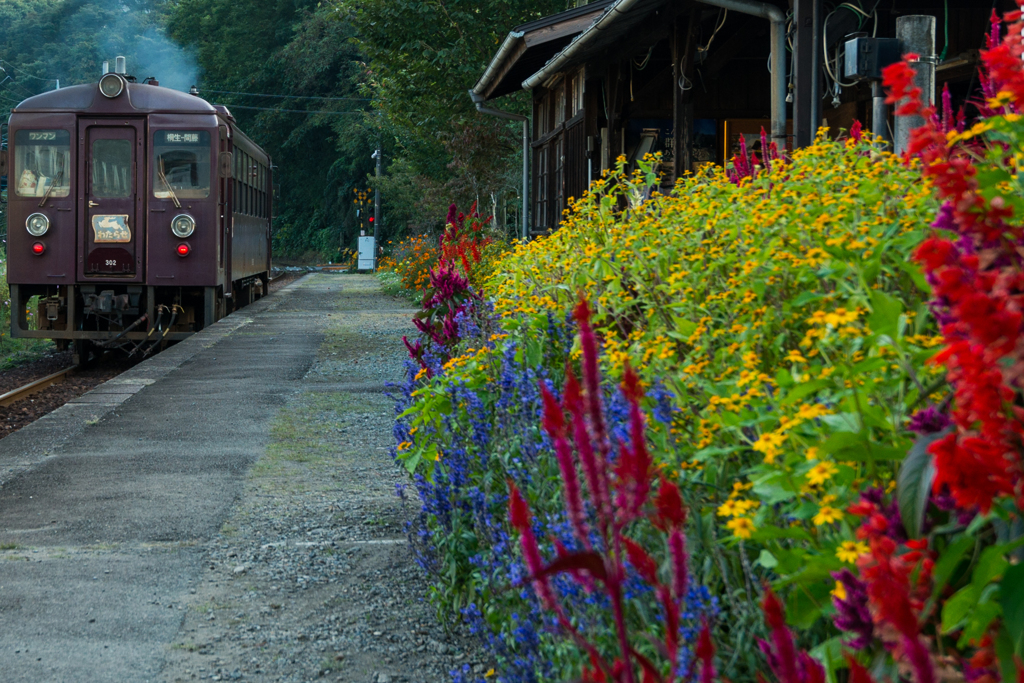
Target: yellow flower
741, 527
812, 453
827, 514
728, 509
821, 473
769, 444
809, 412
489, 674
849, 551
839, 591
795, 357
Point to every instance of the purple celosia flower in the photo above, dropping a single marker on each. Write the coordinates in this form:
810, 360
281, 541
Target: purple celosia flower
929, 421
852, 613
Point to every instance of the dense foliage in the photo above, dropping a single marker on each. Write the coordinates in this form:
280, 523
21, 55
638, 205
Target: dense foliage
295, 49
784, 344
421, 58
825, 407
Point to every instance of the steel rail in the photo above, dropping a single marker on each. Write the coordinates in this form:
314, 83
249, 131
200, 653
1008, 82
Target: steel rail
34, 387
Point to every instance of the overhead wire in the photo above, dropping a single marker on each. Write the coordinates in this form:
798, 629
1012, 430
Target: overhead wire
292, 97
25, 73
294, 111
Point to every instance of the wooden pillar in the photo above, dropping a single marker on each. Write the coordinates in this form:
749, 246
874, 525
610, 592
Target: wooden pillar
612, 85
684, 37
803, 77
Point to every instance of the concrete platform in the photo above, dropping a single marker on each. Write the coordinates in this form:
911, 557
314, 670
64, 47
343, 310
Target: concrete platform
103, 502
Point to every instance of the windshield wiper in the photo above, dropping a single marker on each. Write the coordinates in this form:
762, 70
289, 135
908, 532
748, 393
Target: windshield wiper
163, 179
56, 181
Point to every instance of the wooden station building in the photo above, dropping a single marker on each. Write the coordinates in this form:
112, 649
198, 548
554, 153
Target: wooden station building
689, 78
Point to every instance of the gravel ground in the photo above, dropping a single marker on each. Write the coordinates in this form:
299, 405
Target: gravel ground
312, 578
16, 416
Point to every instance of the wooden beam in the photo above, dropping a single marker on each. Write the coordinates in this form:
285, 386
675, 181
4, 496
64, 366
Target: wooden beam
803, 65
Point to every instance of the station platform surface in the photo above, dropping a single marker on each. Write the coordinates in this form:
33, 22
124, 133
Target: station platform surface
152, 460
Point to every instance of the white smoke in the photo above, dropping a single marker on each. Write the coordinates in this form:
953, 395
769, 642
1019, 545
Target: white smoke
137, 35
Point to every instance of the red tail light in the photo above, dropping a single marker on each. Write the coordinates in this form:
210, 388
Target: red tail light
184, 249
38, 248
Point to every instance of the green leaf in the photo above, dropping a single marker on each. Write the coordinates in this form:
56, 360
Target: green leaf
991, 565
1011, 599
981, 618
916, 274
840, 442
958, 607
948, 561
801, 390
914, 484
830, 654
766, 533
767, 560
1005, 652
885, 314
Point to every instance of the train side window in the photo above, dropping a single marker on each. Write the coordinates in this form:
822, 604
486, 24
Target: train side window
181, 164
112, 168
42, 159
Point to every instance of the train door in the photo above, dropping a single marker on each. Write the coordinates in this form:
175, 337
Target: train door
112, 236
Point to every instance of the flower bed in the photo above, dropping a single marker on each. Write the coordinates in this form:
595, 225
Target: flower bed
842, 423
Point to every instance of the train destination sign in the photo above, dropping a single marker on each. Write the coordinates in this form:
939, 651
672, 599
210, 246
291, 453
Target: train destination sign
181, 137
111, 229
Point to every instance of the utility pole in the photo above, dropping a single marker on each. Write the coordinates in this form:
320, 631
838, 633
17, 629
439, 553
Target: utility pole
376, 208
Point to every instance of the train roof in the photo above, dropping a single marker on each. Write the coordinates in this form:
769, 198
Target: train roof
138, 98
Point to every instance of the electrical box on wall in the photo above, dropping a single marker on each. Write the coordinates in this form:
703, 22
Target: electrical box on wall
866, 57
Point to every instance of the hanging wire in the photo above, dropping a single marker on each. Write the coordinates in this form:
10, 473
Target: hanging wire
643, 64
704, 50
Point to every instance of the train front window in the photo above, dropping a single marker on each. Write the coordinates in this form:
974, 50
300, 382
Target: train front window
181, 164
112, 168
42, 161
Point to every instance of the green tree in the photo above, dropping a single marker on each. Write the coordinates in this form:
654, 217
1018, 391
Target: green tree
422, 57
292, 48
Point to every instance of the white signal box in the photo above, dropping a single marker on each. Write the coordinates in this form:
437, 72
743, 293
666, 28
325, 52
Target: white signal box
366, 247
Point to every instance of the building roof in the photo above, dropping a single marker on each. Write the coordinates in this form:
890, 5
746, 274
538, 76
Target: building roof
529, 46
618, 19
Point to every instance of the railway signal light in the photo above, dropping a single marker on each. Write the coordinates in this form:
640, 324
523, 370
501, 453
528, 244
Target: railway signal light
38, 248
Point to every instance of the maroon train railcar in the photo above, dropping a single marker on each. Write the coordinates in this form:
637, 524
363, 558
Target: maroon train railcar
136, 213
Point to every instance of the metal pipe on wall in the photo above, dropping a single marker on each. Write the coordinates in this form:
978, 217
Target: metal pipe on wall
879, 113
816, 67
916, 33
479, 100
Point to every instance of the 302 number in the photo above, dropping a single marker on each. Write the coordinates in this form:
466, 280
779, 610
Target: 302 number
111, 262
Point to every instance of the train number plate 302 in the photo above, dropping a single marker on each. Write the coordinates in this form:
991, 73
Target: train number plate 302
111, 229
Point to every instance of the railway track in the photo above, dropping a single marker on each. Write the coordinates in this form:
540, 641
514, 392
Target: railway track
36, 386
48, 393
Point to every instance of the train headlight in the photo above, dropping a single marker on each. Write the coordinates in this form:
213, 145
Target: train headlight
111, 85
37, 224
183, 225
